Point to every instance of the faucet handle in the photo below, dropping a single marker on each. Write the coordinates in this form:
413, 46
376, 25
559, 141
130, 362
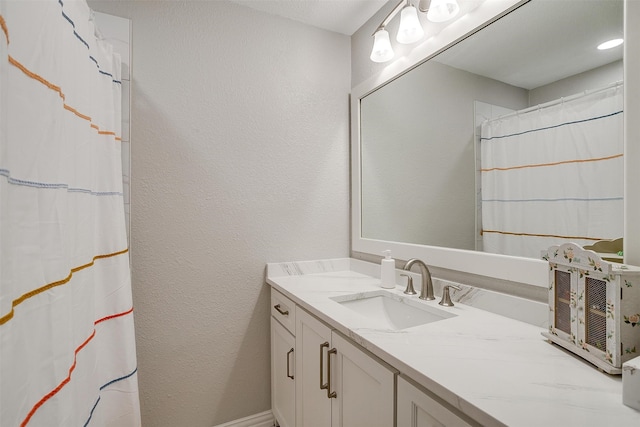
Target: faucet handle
409, 290
446, 298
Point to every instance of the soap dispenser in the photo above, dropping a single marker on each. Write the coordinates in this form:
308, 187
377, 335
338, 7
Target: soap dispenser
388, 271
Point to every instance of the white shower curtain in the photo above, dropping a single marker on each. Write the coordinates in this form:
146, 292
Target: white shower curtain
554, 174
67, 348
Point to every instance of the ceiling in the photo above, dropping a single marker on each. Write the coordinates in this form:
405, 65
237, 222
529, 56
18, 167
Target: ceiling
541, 42
340, 16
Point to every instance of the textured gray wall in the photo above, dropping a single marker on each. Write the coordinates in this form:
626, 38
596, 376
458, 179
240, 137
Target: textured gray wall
240, 156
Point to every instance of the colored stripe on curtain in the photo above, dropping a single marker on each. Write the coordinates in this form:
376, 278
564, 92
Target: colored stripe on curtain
67, 345
553, 174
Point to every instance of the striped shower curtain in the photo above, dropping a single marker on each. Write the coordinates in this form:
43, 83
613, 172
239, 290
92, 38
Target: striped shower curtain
67, 348
553, 174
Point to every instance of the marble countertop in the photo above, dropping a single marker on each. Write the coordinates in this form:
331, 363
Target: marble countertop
497, 370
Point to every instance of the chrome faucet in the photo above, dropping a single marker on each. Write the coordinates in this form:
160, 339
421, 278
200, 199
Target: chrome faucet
426, 291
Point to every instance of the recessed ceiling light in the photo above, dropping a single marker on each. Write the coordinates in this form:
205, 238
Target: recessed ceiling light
609, 44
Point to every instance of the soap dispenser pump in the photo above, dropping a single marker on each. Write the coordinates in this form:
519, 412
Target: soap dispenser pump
388, 271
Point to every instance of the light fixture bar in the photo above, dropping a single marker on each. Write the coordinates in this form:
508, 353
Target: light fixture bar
391, 14
423, 5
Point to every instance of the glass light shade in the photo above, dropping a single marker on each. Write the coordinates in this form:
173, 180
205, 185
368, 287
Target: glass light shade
382, 51
442, 10
410, 30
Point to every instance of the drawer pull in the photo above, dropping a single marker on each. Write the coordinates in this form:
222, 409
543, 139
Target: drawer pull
289, 354
280, 310
330, 394
323, 345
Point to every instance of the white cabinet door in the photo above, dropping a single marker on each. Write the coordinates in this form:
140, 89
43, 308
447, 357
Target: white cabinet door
364, 388
283, 385
337, 384
417, 409
313, 341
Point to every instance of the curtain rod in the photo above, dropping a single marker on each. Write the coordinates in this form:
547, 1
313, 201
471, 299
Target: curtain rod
559, 101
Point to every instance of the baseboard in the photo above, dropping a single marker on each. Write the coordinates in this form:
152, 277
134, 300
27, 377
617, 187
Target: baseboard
263, 419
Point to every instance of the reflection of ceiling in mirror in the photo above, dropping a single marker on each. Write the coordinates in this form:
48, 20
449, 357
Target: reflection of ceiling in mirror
563, 29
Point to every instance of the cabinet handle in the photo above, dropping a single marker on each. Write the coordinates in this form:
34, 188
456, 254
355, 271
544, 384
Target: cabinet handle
279, 310
323, 345
330, 394
288, 354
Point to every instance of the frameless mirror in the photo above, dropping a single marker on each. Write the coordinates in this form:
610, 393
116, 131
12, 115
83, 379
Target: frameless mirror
419, 133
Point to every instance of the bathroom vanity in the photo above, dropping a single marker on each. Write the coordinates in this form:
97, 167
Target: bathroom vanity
343, 354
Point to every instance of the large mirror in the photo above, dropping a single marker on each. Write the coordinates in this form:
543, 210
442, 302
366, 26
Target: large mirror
419, 134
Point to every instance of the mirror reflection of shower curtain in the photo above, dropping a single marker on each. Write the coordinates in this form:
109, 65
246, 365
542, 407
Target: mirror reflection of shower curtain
67, 346
554, 174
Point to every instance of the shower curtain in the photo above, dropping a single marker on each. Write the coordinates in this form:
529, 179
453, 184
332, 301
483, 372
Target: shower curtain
67, 349
553, 174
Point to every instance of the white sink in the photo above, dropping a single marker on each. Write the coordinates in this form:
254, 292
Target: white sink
390, 311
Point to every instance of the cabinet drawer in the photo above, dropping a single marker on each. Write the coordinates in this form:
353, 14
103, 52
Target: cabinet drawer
284, 310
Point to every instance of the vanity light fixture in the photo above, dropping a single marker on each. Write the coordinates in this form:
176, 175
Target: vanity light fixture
610, 44
410, 30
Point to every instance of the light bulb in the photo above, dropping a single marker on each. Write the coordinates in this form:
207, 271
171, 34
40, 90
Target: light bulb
442, 10
410, 30
382, 51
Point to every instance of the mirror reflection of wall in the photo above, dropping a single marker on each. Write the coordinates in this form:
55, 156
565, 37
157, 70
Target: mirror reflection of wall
418, 155
418, 151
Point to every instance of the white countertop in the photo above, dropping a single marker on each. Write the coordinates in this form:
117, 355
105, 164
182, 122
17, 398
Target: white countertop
495, 369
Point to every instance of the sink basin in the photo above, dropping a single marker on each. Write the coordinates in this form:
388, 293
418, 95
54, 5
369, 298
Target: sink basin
390, 311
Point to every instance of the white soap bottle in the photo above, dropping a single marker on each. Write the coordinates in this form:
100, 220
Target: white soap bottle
387, 271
